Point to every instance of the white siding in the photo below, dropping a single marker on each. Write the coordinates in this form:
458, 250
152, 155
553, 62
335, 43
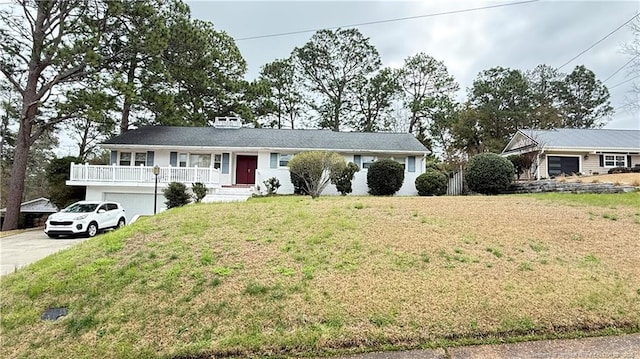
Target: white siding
359, 183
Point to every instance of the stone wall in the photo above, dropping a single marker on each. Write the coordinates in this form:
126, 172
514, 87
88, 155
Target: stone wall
573, 187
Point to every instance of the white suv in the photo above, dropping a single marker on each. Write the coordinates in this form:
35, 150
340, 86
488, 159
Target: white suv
85, 217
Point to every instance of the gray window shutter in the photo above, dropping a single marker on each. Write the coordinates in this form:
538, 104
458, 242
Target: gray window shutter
357, 159
601, 161
114, 157
150, 155
274, 160
412, 164
628, 160
225, 163
173, 159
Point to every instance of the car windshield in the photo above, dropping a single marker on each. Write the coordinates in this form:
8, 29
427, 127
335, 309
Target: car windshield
81, 208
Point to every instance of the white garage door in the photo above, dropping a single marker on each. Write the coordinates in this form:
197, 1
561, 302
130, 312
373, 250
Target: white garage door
135, 203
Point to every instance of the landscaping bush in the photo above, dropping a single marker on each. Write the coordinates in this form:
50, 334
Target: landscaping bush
342, 178
385, 177
199, 191
272, 184
298, 183
313, 170
489, 173
619, 170
176, 195
432, 183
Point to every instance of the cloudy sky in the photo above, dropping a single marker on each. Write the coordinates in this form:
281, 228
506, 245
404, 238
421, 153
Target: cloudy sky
518, 36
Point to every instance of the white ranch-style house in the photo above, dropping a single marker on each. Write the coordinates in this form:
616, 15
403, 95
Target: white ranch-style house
572, 151
232, 161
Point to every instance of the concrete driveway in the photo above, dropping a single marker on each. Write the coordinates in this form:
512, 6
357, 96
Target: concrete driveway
21, 249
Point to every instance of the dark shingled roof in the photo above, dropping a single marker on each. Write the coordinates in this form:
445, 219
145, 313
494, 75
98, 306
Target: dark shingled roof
268, 138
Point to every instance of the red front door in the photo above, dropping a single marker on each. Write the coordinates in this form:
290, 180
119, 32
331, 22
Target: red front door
246, 169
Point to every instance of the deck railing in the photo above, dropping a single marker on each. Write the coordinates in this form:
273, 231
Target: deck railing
143, 174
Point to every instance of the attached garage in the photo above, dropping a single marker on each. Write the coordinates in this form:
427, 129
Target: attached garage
136, 203
567, 165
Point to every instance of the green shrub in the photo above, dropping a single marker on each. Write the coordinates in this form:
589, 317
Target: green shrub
432, 183
272, 184
57, 175
298, 183
312, 170
176, 195
616, 170
199, 191
489, 173
342, 178
385, 177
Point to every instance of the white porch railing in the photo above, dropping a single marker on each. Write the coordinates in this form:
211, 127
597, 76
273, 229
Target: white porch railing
143, 174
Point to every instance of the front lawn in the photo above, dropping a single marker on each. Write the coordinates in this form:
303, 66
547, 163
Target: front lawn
293, 276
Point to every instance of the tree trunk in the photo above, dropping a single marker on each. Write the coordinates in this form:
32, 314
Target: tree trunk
30, 103
412, 122
336, 118
16, 182
82, 152
126, 106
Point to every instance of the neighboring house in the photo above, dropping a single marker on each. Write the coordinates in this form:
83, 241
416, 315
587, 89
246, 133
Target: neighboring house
579, 151
230, 159
33, 213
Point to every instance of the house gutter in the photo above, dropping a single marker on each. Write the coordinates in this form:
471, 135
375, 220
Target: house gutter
256, 149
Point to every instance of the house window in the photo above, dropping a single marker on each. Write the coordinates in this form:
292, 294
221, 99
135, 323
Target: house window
284, 160
400, 160
125, 158
615, 161
217, 161
183, 160
367, 161
141, 159
196, 160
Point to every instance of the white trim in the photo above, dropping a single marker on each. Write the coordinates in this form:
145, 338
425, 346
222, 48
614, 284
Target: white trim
255, 149
604, 159
547, 155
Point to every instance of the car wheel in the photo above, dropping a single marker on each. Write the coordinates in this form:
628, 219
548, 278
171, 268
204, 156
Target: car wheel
121, 223
92, 230
54, 236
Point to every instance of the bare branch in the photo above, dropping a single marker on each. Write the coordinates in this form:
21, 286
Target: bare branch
15, 83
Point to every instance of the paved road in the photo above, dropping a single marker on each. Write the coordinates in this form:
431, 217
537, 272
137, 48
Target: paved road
19, 250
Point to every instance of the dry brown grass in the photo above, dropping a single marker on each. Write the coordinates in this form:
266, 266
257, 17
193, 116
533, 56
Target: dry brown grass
631, 179
296, 276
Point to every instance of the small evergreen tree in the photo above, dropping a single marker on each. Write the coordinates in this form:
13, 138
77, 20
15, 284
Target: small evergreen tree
199, 191
176, 195
342, 178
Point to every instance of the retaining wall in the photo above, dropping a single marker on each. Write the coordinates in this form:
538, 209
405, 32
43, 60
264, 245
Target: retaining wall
573, 187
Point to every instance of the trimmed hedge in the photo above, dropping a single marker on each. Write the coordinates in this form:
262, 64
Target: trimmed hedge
489, 173
176, 195
623, 170
385, 177
432, 183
